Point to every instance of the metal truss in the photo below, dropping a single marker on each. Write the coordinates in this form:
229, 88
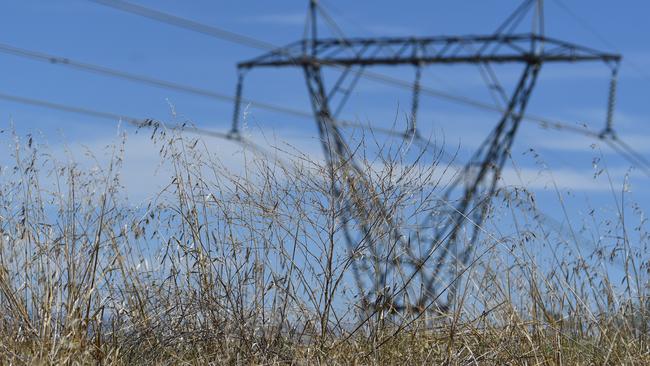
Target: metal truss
428, 50
426, 275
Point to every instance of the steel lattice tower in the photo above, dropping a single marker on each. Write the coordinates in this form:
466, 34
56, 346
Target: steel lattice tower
422, 274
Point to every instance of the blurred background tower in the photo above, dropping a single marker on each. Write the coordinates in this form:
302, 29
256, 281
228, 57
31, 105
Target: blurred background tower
433, 257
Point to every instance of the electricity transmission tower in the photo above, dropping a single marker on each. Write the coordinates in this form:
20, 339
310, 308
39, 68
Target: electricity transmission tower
424, 274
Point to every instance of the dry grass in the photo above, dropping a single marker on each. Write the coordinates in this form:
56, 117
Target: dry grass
247, 268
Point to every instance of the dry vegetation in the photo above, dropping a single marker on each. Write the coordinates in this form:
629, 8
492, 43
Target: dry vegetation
246, 268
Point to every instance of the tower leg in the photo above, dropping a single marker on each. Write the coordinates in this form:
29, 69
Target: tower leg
475, 200
234, 129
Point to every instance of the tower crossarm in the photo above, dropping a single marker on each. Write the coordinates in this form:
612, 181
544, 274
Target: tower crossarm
517, 48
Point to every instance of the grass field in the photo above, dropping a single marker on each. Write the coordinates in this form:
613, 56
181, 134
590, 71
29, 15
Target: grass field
246, 267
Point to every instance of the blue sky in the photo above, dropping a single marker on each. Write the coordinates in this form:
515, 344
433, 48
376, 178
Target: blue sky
87, 32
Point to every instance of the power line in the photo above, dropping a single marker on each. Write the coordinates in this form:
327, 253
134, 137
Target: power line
585, 25
632, 151
594, 31
632, 156
103, 70
256, 43
185, 23
613, 141
136, 122
543, 122
142, 123
628, 153
98, 69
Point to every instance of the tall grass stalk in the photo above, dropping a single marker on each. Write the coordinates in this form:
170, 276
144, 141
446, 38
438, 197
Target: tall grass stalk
248, 267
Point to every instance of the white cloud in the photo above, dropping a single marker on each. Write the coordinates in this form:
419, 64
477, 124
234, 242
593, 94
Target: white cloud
565, 142
564, 179
144, 172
